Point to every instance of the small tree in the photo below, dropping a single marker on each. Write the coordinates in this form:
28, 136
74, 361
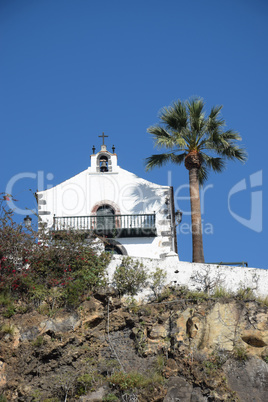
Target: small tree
158, 278
130, 277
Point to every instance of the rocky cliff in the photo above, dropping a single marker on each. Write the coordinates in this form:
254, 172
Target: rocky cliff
180, 348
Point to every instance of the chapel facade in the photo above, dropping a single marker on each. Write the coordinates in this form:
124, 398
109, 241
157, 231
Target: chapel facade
130, 215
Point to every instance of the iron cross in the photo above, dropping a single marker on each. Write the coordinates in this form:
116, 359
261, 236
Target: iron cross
102, 136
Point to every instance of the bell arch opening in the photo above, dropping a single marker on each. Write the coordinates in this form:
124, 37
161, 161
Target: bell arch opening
104, 163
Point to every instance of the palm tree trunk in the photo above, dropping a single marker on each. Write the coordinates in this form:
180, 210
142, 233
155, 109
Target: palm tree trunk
198, 252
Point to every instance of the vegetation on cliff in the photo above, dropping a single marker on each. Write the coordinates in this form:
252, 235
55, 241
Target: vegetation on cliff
65, 335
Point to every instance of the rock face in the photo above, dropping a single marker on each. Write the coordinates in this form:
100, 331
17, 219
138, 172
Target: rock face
187, 350
251, 375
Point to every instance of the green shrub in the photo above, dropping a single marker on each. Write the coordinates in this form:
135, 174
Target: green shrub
134, 380
127, 381
165, 293
245, 294
110, 398
130, 277
195, 295
51, 400
39, 341
23, 309
210, 367
265, 358
158, 278
263, 300
220, 292
84, 383
111, 365
5, 299
7, 329
10, 311
159, 364
240, 353
154, 379
60, 269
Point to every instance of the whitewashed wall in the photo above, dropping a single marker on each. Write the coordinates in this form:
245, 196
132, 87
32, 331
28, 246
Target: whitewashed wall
195, 275
132, 195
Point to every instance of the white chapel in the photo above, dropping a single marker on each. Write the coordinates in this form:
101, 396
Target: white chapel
132, 216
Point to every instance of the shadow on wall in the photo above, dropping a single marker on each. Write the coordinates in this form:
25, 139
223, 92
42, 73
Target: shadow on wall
146, 198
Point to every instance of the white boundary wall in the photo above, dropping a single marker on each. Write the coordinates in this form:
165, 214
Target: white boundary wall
197, 276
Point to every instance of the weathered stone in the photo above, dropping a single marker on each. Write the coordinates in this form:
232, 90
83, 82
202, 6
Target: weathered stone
116, 321
3, 378
93, 320
62, 324
163, 318
199, 336
29, 334
197, 396
91, 305
158, 331
249, 379
222, 327
178, 390
171, 368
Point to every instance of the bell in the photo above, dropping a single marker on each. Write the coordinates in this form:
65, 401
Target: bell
103, 166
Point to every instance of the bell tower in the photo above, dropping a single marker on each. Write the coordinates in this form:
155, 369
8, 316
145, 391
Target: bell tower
104, 161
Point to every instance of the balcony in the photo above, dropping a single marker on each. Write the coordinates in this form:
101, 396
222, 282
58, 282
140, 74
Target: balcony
111, 226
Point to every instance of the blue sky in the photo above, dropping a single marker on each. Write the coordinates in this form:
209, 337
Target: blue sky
71, 69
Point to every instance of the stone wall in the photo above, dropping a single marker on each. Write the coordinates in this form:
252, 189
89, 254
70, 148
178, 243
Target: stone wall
203, 276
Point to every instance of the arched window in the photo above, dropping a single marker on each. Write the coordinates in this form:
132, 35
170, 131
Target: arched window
113, 249
105, 218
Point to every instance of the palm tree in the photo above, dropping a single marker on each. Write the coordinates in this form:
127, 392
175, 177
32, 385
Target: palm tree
201, 143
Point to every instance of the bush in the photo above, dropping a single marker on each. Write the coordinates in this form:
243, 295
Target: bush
9, 312
110, 398
245, 294
263, 300
38, 342
43, 266
127, 381
7, 329
159, 364
220, 292
157, 280
130, 277
240, 353
84, 383
134, 380
265, 358
5, 299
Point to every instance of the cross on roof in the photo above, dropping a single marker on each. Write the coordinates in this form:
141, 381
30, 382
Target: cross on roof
102, 136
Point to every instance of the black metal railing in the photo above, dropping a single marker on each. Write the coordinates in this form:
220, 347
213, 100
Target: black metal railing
140, 225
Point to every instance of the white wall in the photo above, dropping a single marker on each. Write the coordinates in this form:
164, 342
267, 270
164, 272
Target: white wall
78, 195
191, 274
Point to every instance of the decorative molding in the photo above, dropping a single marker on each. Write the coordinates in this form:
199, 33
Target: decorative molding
106, 202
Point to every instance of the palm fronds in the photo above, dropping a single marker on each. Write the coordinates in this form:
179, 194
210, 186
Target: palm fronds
162, 159
185, 128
